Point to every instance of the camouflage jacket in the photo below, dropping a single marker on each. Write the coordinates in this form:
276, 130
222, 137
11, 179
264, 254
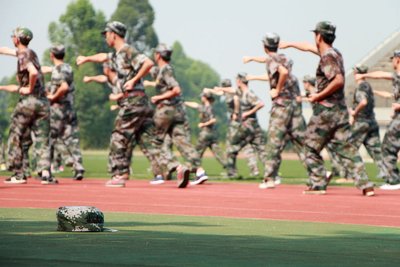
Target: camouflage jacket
396, 87
248, 100
206, 114
166, 81
63, 73
330, 65
25, 58
126, 63
364, 91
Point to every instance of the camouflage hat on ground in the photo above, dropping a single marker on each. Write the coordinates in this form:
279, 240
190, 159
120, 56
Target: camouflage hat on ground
309, 79
226, 83
271, 40
325, 27
23, 34
359, 68
242, 77
396, 53
80, 219
115, 26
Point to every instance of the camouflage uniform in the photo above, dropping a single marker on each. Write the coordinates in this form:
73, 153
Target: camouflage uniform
365, 129
233, 128
249, 132
133, 124
30, 114
391, 141
170, 118
330, 123
63, 119
208, 135
80, 219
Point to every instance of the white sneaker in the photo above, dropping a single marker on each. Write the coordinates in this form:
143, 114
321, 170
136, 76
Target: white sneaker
200, 179
267, 184
390, 187
116, 181
157, 180
278, 180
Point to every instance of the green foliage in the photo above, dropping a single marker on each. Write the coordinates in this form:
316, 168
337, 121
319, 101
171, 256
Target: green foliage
138, 16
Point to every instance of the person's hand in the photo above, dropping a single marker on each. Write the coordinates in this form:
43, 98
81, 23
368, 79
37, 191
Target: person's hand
395, 106
24, 90
246, 59
312, 98
200, 125
154, 99
130, 84
86, 79
80, 60
358, 76
273, 93
351, 119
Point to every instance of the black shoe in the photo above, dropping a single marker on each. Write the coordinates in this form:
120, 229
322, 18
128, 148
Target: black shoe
48, 180
78, 175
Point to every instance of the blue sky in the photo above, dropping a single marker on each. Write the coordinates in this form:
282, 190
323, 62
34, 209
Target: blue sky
221, 32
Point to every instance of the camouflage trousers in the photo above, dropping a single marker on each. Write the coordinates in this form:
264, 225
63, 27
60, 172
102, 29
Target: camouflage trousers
171, 120
64, 133
248, 133
2, 158
331, 125
295, 135
250, 153
366, 132
390, 150
168, 161
133, 126
208, 139
30, 115
283, 126
336, 166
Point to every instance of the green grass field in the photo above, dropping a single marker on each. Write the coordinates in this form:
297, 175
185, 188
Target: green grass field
28, 238
292, 171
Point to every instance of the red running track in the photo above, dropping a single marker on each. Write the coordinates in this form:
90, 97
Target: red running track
237, 200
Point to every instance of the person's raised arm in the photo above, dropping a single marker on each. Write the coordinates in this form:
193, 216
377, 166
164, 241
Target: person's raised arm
96, 58
12, 88
302, 46
97, 78
191, 104
375, 75
383, 94
46, 69
262, 77
247, 59
8, 51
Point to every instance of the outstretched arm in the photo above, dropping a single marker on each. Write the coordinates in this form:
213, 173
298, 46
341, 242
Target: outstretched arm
213, 91
247, 59
383, 94
97, 78
263, 77
375, 75
302, 46
191, 104
147, 83
97, 58
46, 69
12, 88
8, 51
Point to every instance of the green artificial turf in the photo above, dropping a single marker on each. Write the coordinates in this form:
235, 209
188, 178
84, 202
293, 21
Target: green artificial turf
28, 238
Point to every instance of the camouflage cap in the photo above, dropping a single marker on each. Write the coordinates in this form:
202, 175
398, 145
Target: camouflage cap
359, 68
325, 27
309, 79
242, 77
57, 49
115, 26
226, 83
23, 33
271, 40
209, 96
164, 50
396, 53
